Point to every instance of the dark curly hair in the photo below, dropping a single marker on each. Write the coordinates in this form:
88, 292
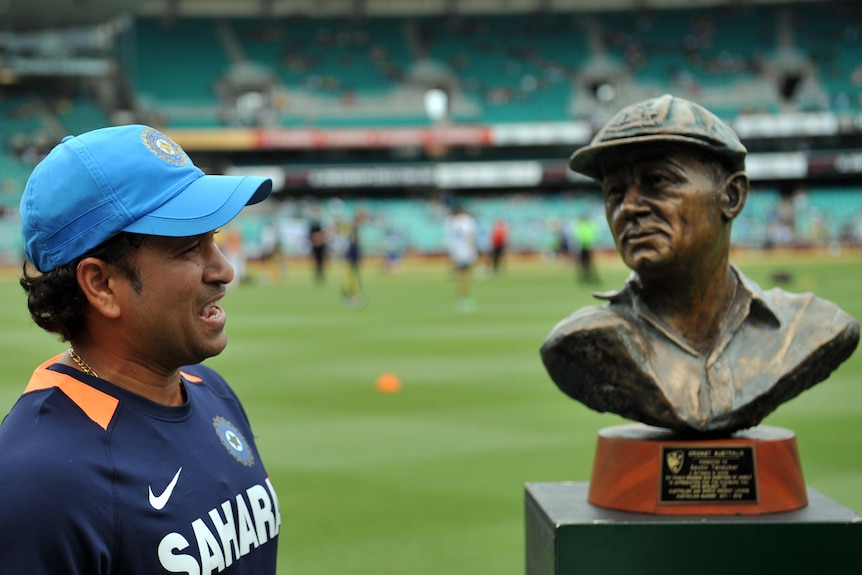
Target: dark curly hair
55, 299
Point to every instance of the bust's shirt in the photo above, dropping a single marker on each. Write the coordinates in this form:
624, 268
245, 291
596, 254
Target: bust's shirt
772, 345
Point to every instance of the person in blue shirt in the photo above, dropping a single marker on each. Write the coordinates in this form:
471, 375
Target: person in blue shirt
125, 454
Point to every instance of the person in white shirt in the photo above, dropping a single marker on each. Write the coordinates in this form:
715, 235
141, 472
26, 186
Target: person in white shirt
462, 246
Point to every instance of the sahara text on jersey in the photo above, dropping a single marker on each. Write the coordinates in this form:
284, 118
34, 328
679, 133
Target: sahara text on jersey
229, 535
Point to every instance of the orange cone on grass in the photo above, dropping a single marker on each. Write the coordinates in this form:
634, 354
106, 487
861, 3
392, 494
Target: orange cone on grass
388, 383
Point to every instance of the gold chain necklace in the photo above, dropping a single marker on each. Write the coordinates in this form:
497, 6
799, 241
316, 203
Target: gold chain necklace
85, 367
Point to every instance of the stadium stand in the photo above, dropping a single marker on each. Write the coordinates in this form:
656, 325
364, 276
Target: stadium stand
345, 71
283, 73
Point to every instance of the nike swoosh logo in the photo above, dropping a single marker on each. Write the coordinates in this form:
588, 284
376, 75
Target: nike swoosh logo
159, 502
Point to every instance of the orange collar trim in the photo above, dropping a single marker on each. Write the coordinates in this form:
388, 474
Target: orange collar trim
97, 405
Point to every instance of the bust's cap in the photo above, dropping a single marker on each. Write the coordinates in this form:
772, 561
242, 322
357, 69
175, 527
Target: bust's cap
663, 119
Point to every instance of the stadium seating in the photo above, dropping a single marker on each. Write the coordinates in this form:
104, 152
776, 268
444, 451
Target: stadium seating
81, 114
728, 59
371, 72
21, 120
178, 63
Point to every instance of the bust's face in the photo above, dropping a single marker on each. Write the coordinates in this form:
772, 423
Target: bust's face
663, 208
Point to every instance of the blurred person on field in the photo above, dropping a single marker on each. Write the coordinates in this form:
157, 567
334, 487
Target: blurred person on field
352, 289
393, 241
499, 243
318, 239
461, 240
125, 454
271, 253
586, 234
558, 245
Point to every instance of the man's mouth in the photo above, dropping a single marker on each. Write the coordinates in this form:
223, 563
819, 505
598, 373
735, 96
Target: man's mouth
211, 311
637, 234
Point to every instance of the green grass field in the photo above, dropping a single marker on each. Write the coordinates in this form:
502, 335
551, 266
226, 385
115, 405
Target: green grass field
430, 480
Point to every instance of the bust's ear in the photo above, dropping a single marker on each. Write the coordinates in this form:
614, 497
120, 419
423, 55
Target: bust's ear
734, 194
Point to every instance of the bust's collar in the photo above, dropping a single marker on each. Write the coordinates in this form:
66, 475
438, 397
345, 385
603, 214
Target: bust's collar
758, 306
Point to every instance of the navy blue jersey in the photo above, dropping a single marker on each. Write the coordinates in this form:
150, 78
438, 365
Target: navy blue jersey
96, 480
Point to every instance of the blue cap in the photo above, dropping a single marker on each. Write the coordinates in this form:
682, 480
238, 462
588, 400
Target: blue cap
123, 179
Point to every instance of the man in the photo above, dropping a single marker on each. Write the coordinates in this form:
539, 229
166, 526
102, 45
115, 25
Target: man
318, 241
689, 343
461, 237
125, 454
352, 289
499, 242
586, 232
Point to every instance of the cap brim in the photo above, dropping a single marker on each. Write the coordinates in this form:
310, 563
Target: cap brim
586, 160
206, 204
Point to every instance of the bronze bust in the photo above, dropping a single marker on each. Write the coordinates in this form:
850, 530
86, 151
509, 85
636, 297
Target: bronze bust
688, 343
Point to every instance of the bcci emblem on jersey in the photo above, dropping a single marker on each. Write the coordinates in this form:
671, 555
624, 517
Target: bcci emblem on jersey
233, 441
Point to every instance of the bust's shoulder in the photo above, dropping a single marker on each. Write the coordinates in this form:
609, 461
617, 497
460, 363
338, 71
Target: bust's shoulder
596, 319
806, 303
809, 315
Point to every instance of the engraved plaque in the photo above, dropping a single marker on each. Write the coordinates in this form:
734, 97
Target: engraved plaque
708, 474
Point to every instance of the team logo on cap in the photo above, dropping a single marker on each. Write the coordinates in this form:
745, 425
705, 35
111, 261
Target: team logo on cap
233, 441
164, 147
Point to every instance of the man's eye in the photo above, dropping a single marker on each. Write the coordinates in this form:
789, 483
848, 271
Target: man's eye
655, 180
613, 193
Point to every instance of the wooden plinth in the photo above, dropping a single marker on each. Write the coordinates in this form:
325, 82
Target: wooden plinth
645, 469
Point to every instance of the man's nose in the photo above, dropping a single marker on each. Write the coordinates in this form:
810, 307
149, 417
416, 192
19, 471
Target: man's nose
632, 201
219, 268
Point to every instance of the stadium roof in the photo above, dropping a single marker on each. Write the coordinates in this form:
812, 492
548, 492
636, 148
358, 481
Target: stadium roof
33, 14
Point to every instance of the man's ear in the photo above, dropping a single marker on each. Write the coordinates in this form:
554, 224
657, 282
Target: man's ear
97, 280
734, 194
